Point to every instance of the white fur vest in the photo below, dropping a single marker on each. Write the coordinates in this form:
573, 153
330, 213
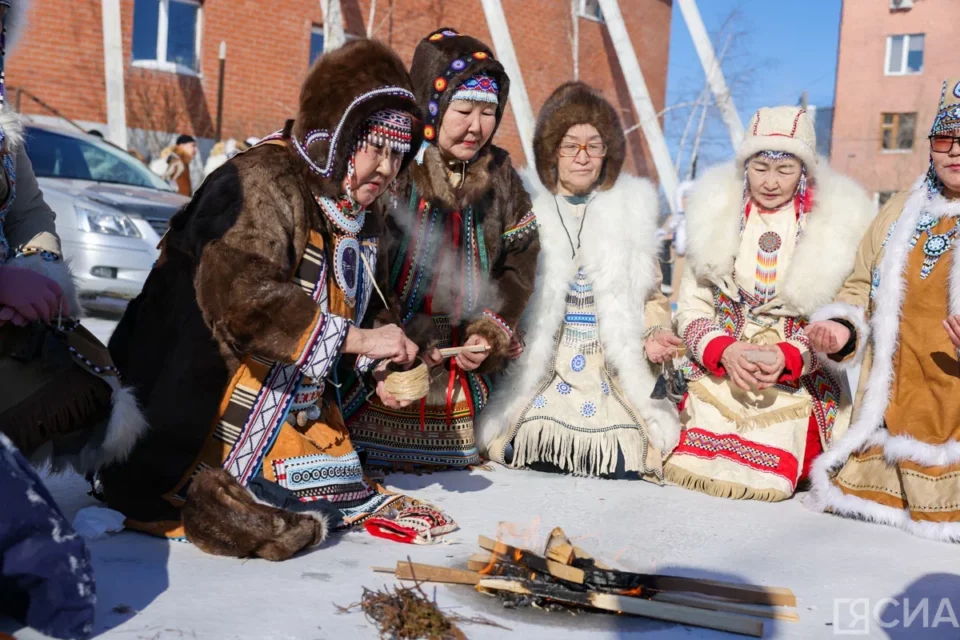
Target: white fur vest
824, 256
619, 252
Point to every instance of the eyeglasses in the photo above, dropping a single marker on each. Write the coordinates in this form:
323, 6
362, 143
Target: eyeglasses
943, 144
593, 149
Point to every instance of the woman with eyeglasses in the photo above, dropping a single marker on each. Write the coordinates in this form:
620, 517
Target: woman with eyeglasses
771, 237
898, 316
578, 399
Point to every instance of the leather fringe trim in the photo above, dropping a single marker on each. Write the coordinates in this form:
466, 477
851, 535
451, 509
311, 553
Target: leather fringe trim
582, 454
743, 423
719, 488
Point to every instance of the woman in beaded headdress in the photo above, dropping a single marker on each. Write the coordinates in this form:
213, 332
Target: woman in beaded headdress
578, 399
771, 237
462, 262
262, 283
898, 316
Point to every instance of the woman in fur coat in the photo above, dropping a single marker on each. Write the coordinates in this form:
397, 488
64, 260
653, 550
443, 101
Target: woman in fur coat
261, 284
578, 399
899, 316
462, 262
771, 237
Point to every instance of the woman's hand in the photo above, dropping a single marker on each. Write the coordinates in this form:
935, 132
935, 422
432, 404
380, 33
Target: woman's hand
10, 315
384, 343
34, 296
770, 372
432, 358
952, 325
661, 346
828, 336
741, 371
516, 347
388, 399
470, 361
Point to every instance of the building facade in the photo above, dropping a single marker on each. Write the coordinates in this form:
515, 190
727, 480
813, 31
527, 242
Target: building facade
893, 58
171, 52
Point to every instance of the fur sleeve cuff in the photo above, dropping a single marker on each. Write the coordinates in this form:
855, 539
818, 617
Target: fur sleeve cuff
50, 265
493, 328
855, 316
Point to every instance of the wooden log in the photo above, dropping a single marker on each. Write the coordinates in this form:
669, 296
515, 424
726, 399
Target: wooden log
611, 580
718, 620
757, 610
583, 555
430, 573
533, 561
479, 561
559, 549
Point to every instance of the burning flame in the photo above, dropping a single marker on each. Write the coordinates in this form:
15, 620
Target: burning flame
494, 559
633, 593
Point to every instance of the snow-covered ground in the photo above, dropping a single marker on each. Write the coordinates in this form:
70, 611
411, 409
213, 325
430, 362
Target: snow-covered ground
153, 589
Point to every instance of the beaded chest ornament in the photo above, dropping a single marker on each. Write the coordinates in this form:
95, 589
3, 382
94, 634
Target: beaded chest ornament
935, 245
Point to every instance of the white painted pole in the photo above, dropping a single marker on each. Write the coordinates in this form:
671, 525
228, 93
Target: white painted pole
333, 31
637, 87
721, 94
519, 100
113, 72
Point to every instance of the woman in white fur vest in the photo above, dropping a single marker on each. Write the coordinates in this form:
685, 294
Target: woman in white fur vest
899, 315
578, 398
771, 237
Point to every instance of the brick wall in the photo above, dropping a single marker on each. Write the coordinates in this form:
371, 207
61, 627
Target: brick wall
864, 92
60, 59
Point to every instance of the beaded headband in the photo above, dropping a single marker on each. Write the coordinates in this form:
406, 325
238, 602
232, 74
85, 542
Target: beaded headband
478, 88
388, 127
316, 135
948, 115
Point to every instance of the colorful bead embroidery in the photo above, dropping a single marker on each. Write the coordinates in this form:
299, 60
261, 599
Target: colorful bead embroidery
766, 275
563, 388
605, 388
588, 410
525, 226
540, 402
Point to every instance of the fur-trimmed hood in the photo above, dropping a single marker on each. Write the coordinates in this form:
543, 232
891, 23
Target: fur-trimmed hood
490, 171
441, 62
825, 253
342, 90
571, 104
619, 252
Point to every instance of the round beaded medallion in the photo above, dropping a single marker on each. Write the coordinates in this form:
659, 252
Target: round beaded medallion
937, 245
769, 242
579, 363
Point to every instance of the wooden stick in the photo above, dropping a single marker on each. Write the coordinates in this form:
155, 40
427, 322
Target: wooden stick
430, 573
455, 351
757, 610
719, 620
533, 561
479, 561
559, 548
744, 593
583, 555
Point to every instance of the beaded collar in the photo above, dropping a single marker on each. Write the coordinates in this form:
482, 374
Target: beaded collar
346, 214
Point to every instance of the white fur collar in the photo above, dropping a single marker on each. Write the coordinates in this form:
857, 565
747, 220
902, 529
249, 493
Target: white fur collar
824, 256
619, 251
12, 128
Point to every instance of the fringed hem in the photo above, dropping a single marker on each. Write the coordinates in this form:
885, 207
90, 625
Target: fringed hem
719, 488
580, 453
799, 411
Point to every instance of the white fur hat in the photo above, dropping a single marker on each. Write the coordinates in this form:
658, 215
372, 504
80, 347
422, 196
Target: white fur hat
788, 129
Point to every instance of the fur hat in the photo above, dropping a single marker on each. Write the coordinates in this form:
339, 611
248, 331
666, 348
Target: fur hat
948, 112
342, 90
571, 104
788, 129
441, 63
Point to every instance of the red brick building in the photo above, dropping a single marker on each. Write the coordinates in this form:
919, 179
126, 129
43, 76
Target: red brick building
894, 56
172, 68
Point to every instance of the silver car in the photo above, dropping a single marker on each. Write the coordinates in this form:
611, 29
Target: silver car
111, 211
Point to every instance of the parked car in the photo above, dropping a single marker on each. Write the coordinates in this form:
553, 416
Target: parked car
111, 211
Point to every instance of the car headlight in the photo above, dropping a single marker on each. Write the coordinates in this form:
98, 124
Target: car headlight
111, 223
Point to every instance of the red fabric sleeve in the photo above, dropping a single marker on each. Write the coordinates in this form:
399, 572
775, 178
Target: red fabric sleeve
793, 368
713, 352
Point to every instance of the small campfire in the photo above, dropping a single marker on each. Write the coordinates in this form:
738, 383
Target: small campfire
566, 578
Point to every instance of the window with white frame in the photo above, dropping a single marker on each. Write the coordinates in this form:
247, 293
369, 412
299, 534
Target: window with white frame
166, 35
591, 9
904, 54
